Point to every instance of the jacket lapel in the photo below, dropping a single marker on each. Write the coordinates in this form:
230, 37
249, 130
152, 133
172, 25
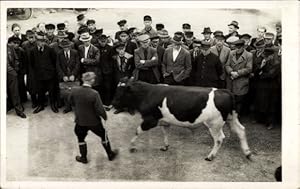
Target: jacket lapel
179, 54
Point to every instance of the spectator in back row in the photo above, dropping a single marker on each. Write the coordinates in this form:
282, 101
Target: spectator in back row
233, 29
148, 26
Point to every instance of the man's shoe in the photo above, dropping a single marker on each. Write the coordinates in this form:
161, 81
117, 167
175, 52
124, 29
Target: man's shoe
81, 159
21, 114
38, 109
118, 111
54, 108
67, 110
113, 155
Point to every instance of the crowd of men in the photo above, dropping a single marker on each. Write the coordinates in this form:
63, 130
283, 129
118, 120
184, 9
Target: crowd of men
51, 56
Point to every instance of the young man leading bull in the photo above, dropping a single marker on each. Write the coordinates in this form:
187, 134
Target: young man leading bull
88, 110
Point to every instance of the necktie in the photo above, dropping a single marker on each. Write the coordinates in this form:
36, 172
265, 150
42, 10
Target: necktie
123, 64
145, 54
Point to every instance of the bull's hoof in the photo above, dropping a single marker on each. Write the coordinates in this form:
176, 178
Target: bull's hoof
208, 159
165, 148
132, 150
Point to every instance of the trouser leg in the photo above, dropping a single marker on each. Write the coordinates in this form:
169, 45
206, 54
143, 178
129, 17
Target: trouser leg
13, 92
81, 133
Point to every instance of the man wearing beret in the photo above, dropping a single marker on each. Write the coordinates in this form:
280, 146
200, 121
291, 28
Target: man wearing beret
233, 29
238, 69
148, 28
176, 66
208, 68
43, 61
50, 28
123, 26
222, 52
108, 68
88, 113
268, 93
146, 61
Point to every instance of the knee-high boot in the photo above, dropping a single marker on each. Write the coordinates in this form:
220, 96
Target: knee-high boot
111, 154
83, 153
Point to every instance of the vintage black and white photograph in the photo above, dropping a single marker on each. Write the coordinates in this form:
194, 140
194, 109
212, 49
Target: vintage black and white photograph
96, 94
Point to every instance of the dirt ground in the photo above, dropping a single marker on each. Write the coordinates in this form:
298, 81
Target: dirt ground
43, 146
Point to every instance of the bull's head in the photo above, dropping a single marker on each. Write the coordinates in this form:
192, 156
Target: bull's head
123, 97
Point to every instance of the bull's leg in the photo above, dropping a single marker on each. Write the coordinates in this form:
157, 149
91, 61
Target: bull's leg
239, 129
132, 142
165, 130
216, 131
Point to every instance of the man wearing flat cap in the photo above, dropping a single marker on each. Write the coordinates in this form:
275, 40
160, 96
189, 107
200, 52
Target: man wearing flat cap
230, 42
217, 33
233, 29
146, 61
90, 59
222, 52
188, 39
269, 41
43, 61
108, 69
94, 32
148, 26
164, 38
50, 28
238, 69
207, 36
268, 93
186, 27
247, 38
88, 114
176, 66
123, 26
129, 45
208, 68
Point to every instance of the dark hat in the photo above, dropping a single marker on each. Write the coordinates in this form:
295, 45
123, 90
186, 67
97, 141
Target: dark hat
186, 26
61, 26
143, 38
65, 43
197, 41
40, 36
147, 18
235, 24
98, 32
155, 36
179, 33
269, 51
91, 21
80, 17
163, 33
269, 35
160, 26
259, 43
50, 26
61, 34
176, 40
239, 43
118, 44
218, 32
102, 37
189, 34
123, 31
122, 22
220, 36
82, 29
245, 36
88, 76
14, 39
206, 30
29, 33
130, 30
205, 44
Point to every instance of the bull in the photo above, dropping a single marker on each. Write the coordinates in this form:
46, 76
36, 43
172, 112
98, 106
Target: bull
163, 105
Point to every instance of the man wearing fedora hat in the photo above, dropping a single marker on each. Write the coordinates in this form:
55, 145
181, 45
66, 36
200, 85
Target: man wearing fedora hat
148, 29
222, 52
176, 66
207, 35
43, 61
56, 45
233, 29
90, 58
68, 64
238, 69
208, 68
50, 28
88, 113
268, 93
146, 61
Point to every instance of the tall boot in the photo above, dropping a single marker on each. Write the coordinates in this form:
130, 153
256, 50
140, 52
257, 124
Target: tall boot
111, 154
83, 153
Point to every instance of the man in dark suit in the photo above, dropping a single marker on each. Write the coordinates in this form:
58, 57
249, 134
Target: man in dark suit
90, 59
146, 61
88, 113
43, 61
12, 81
123, 27
160, 52
176, 65
67, 63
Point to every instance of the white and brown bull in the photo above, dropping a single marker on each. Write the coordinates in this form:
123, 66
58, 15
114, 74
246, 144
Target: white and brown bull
162, 105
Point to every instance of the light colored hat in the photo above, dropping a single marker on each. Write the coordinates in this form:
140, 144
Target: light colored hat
88, 76
143, 38
163, 33
232, 39
85, 37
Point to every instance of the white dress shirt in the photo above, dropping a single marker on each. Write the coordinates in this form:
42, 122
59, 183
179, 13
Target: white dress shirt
175, 53
86, 50
67, 54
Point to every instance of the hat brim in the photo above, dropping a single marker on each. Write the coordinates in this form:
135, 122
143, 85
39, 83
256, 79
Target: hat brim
234, 26
206, 33
88, 39
176, 42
